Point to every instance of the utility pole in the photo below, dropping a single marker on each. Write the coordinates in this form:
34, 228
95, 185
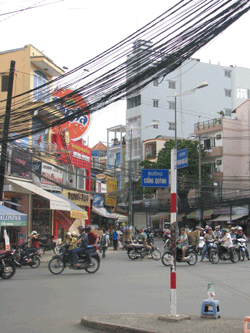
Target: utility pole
130, 187
5, 133
199, 193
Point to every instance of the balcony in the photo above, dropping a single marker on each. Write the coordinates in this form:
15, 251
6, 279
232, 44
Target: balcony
215, 152
208, 126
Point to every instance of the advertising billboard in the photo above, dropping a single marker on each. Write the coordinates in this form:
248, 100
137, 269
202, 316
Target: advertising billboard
111, 183
77, 127
21, 163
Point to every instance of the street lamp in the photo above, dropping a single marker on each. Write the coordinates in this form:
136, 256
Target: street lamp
154, 124
174, 207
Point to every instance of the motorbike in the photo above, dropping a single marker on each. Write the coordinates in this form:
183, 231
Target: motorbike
241, 248
48, 244
20, 257
222, 253
7, 265
190, 255
64, 260
201, 245
137, 250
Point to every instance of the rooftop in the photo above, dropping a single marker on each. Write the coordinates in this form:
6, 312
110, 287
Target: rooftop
99, 146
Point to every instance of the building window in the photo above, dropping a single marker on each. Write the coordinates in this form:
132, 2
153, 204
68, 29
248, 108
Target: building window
81, 179
227, 73
171, 126
228, 92
172, 84
155, 83
5, 82
171, 105
228, 112
242, 93
155, 103
133, 102
42, 94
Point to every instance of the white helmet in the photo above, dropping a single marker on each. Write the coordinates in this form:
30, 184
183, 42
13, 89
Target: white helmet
34, 232
68, 234
74, 233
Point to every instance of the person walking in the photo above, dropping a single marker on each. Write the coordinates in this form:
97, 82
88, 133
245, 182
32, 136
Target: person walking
104, 241
115, 239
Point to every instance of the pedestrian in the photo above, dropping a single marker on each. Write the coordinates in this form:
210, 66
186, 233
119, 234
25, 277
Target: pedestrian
115, 239
104, 241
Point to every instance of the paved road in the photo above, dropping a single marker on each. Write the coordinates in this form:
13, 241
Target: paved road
37, 301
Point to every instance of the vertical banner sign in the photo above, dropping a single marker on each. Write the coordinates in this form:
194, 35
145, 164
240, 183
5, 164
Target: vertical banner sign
111, 183
7, 240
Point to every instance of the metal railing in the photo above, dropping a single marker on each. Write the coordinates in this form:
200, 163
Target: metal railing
207, 123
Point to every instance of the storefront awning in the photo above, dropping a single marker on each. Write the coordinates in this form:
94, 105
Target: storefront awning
11, 217
55, 202
159, 216
76, 211
222, 218
103, 212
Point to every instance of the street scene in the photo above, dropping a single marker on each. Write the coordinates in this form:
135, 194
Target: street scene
124, 166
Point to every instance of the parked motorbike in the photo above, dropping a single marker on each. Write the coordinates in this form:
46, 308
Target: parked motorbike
222, 253
190, 255
20, 256
136, 251
48, 244
241, 248
7, 265
64, 260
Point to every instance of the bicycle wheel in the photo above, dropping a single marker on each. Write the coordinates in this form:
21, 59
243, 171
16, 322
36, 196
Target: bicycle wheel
156, 254
166, 258
56, 266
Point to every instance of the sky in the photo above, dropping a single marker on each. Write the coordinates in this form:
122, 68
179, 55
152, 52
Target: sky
70, 32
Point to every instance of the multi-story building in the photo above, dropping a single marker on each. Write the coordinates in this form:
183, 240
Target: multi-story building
152, 147
228, 87
29, 193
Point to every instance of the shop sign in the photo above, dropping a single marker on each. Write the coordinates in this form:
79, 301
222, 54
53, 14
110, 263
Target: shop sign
21, 163
79, 214
98, 201
101, 187
80, 199
111, 184
76, 127
52, 174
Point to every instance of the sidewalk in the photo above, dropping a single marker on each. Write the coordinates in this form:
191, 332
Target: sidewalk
149, 323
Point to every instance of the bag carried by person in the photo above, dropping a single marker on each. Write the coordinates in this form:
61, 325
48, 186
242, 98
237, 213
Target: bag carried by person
103, 240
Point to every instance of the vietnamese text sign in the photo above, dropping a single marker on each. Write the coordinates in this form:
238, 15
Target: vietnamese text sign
154, 178
111, 183
182, 158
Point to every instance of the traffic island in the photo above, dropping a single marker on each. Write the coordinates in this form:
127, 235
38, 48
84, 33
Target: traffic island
150, 323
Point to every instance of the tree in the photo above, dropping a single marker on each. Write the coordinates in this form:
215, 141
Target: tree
187, 178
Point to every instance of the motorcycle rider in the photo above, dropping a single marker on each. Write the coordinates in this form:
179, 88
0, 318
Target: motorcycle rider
217, 232
183, 241
233, 234
84, 242
209, 236
240, 234
226, 241
34, 237
142, 237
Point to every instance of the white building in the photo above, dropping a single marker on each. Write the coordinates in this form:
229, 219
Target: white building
229, 86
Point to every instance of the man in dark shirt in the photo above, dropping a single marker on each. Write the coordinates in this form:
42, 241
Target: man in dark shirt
240, 234
84, 242
93, 239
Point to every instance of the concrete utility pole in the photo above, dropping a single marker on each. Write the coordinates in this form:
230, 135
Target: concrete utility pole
5, 133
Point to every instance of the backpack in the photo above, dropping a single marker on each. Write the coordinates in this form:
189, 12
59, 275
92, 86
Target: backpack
103, 240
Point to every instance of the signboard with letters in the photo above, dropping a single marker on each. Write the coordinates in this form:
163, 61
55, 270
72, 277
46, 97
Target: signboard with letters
111, 183
182, 158
155, 178
80, 199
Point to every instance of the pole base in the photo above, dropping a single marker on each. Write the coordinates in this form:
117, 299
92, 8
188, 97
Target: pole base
174, 318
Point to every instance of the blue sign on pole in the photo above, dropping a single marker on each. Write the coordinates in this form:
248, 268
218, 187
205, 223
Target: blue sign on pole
154, 178
182, 158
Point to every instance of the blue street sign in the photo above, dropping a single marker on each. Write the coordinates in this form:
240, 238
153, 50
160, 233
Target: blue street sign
154, 178
182, 158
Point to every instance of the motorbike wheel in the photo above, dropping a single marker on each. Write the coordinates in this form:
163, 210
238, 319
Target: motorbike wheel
152, 241
165, 259
56, 249
242, 255
236, 256
156, 254
10, 270
159, 235
132, 254
214, 257
95, 267
37, 262
193, 258
56, 266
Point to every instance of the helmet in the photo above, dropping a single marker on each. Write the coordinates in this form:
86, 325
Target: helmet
224, 229
33, 233
68, 234
209, 228
81, 228
217, 227
87, 228
73, 233
239, 228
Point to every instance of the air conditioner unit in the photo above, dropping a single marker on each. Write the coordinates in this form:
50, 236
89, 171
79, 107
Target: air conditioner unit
218, 136
218, 162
